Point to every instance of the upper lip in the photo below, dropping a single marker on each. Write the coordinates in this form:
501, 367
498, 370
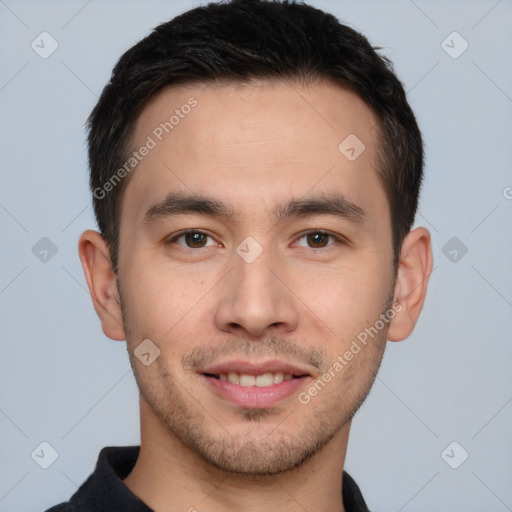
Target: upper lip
253, 368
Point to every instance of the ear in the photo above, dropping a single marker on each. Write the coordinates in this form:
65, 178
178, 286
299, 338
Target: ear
101, 280
414, 269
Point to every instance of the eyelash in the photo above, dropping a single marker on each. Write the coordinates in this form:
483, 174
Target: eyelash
303, 235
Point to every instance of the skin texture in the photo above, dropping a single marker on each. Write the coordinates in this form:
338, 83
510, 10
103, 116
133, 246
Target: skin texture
303, 299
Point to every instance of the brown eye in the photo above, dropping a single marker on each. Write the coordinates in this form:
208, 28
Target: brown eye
317, 239
195, 240
191, 239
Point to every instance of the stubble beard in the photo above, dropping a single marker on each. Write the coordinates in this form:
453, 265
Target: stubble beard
271, 449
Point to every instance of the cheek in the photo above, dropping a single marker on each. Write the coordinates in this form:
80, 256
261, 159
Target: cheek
162, 302
348, 298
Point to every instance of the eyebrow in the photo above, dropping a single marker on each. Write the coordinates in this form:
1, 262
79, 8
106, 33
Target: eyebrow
179, 203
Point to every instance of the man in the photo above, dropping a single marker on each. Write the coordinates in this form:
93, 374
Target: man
255, 169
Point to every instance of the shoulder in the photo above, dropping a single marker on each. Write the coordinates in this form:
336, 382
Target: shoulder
62, 507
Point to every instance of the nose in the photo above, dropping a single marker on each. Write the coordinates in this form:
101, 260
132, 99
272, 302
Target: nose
256, 299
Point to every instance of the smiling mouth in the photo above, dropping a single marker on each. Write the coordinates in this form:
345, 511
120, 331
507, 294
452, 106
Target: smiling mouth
262, 381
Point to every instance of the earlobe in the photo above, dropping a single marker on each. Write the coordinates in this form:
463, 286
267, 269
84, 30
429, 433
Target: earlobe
101, 280
414, 269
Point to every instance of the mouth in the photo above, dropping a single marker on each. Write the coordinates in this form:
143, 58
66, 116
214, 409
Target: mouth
262, 380
251, 385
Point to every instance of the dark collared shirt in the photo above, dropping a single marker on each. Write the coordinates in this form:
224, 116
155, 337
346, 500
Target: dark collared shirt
105, 491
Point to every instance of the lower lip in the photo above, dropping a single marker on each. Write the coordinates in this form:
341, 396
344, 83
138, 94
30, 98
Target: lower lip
255, 397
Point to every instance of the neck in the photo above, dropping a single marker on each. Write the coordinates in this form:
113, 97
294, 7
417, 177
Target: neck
168, 473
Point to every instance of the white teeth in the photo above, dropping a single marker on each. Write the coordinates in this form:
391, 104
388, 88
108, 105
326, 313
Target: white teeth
278, 377
233, 377
261, 381
247, 380
267, 379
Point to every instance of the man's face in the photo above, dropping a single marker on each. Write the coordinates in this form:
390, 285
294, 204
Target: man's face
263, 291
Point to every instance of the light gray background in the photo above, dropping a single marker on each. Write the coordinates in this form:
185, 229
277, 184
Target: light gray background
63, 382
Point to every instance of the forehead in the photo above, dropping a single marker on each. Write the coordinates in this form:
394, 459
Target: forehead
254, 146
